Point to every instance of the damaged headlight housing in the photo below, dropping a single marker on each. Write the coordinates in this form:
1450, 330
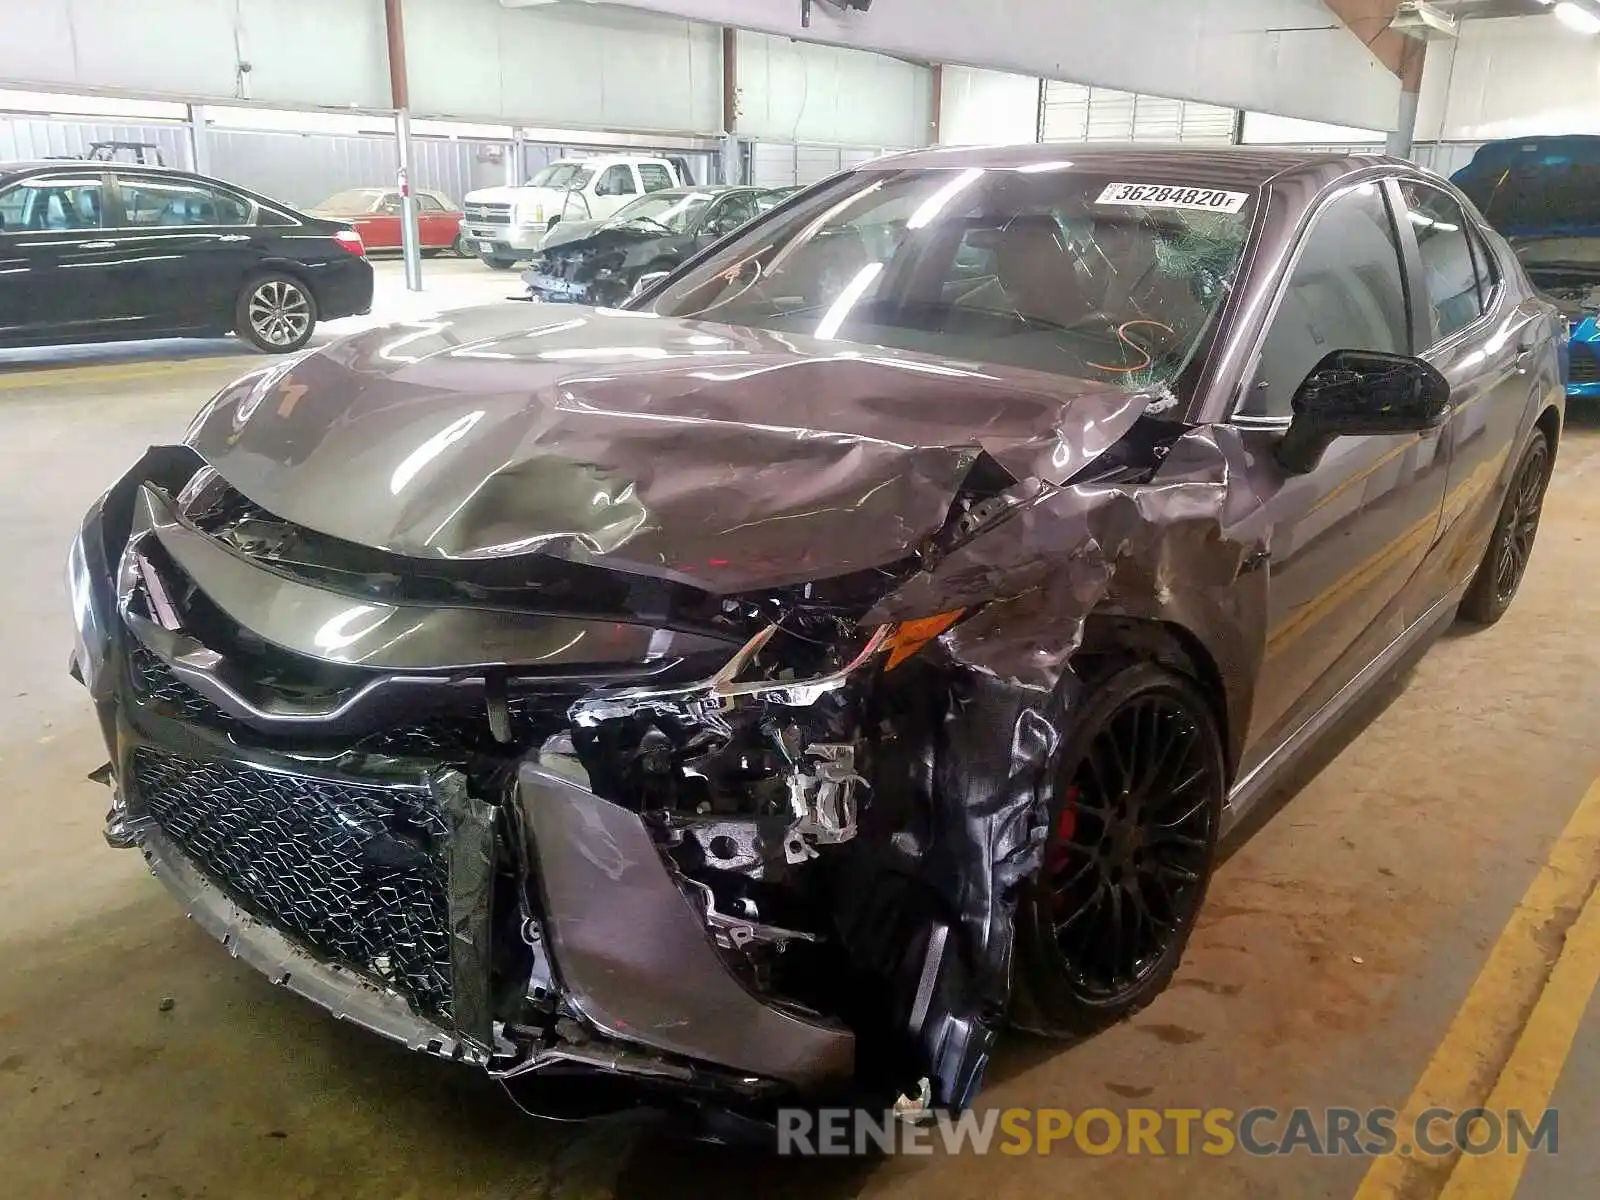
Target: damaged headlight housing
89, 631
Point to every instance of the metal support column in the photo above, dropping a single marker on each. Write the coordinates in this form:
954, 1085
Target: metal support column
1411, 63
935, 103
410, 241
199, 149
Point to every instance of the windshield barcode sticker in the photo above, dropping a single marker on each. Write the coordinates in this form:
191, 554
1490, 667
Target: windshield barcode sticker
1157, 195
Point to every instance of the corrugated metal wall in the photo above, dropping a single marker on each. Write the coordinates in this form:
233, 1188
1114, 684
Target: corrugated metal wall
1074, 112
1445, 157
781, 164
45, 137
304, 168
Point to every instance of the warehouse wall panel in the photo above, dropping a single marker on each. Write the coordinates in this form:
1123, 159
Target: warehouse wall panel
577, 65
44, 137
1510, 77
1074, 112
988, 107
307, 52
304, 169
797, 92
567, 65
1287, 56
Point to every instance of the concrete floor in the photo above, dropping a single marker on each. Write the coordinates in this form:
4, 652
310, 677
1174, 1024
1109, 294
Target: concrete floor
1337, 944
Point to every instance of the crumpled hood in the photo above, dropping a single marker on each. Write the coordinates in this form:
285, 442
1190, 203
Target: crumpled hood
726, 457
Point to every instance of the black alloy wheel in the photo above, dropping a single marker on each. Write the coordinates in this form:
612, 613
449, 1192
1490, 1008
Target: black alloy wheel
1505, 562
1139, 793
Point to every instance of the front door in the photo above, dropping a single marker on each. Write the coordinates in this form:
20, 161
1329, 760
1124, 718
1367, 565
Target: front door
1341, 542
56, 258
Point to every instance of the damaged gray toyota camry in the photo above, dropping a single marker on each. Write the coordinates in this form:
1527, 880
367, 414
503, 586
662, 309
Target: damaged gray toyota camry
771, 691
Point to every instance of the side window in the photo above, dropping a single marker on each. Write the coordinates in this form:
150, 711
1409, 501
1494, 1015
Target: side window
60, 202
1345, 293
389, 206
426, 203
616, 181
161, 203
732, 213
1448, 272
655, 177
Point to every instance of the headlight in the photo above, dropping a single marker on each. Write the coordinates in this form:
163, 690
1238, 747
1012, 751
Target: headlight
89, 634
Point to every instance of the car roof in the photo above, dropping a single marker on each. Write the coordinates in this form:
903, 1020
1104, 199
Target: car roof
28, 166
1247, 165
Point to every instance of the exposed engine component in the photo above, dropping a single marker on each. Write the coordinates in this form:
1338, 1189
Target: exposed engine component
823, 801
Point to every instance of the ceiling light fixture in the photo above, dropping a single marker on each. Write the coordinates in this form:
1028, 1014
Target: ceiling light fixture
1577, 18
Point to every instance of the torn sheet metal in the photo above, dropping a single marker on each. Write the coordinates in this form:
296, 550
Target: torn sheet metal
730, 458
470, 868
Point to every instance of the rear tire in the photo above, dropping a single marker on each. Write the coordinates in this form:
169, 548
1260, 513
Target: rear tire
276, 313
1139, 787
1505, 559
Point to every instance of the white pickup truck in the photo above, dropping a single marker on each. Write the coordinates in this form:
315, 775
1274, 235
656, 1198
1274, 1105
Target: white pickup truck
505, 224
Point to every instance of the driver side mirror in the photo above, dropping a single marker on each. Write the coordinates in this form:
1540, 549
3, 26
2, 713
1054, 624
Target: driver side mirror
1361, 393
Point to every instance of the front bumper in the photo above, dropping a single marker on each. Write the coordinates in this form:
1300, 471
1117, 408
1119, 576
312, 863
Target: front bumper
506, 240
532, 930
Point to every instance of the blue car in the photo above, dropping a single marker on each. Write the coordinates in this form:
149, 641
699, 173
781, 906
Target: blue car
1543, 195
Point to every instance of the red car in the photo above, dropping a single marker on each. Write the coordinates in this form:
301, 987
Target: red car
376, 215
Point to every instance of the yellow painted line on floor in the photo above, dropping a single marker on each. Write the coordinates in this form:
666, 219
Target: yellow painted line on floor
1530, 1078
101, 373
1505, 999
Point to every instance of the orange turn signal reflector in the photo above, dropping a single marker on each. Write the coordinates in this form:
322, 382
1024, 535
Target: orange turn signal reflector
910, 636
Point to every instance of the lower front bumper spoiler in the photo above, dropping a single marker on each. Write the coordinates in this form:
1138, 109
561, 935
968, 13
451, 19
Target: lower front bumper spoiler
343, 994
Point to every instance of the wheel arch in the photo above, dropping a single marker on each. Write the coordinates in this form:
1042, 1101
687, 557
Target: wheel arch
1110, 635
1549, 422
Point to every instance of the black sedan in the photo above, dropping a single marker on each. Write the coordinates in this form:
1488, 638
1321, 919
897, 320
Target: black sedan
98, 252
602, 262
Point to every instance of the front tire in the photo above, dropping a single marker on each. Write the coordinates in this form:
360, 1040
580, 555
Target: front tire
1139, 787
496, 263
463, 246
276, 313
1505, 560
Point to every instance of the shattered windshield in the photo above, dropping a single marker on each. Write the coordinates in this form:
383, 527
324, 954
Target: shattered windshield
1045, 267
673, 210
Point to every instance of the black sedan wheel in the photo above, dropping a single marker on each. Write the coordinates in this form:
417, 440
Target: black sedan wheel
1139, 792
275, 313
1505, 562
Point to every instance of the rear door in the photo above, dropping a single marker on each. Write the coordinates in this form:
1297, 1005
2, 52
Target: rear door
1486, 341
186, 247
57, 259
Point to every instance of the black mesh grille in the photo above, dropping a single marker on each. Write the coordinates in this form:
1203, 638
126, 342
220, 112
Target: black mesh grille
1585, 366
357, 873
157, 686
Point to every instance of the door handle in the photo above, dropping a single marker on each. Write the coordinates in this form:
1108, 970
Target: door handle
1524, 360
97, 246
234, 237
